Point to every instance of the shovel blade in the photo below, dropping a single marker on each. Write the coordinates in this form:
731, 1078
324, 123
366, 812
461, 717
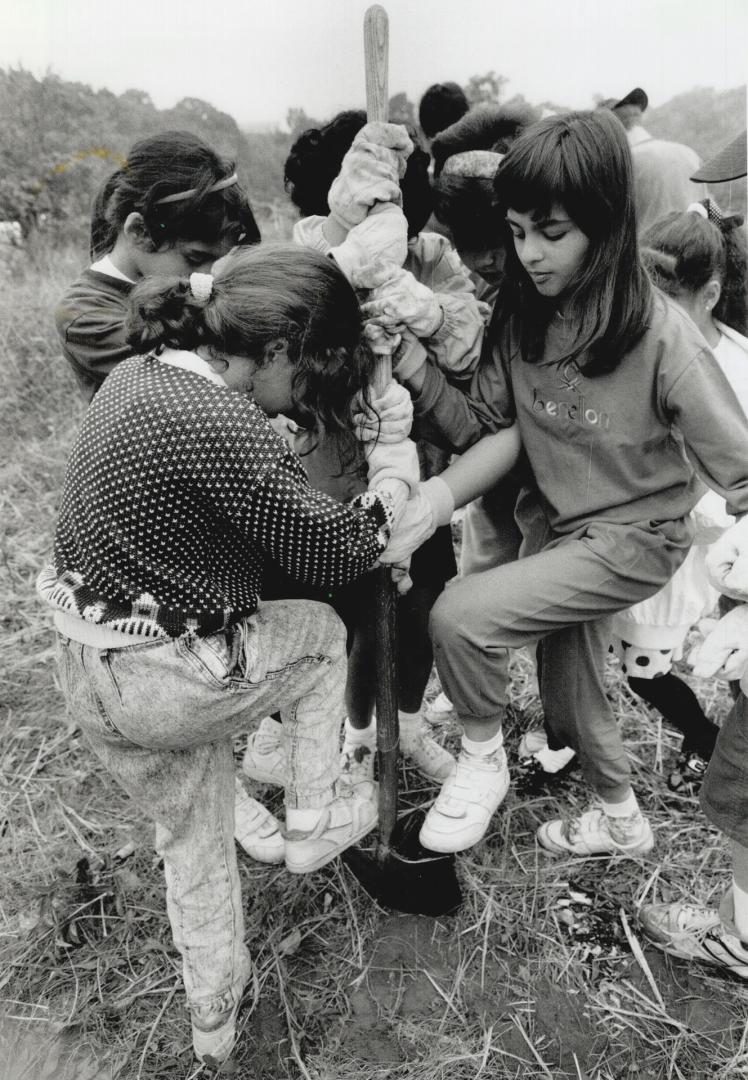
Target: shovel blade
405, 876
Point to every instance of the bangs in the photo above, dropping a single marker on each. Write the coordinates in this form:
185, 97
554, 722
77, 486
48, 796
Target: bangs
533, 177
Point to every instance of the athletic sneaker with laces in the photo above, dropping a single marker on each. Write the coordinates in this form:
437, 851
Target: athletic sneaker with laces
692, 932
438, 711
214, 1041
594, 833
688, 774
350, 816
358, 754
264, 760
255, 828
469, 797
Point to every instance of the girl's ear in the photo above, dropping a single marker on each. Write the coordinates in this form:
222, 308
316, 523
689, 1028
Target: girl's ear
275, 350
711, 293
136, 232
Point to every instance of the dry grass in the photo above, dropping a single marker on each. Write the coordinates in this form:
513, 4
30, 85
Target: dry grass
529, 980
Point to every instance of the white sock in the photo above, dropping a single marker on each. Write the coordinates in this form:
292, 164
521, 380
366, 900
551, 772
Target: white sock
412, 720
302, 820
366, 735
483, 749
627, 808
740, 899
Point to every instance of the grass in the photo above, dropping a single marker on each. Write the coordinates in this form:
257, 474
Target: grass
541, 974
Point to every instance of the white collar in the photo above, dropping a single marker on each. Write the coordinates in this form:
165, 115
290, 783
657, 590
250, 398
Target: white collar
107, 267
190, 361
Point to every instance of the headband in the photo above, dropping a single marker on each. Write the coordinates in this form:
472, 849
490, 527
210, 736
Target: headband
201, 286
228, 181
474, 164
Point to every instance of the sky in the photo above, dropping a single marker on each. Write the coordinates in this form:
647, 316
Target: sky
255, 59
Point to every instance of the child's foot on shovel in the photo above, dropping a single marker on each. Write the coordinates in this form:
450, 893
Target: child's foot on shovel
360, 747
466, 803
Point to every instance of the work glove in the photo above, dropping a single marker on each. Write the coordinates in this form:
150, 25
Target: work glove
398, 461
727, 561
370, 173
431, 505
724, 648
382, 235
403, 303
387, 419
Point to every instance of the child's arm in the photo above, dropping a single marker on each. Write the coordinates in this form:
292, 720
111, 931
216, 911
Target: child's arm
455, 416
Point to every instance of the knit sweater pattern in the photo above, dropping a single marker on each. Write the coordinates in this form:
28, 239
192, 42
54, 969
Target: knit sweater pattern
177, 496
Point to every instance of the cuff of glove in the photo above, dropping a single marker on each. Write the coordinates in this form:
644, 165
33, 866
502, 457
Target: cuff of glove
410, 359
441, 499
349, 256
398, 461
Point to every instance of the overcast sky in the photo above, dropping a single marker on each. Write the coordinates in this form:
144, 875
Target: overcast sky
257, 58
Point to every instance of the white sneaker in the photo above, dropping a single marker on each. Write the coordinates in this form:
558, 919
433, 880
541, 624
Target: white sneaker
594, 833
213, 1043
264, 760
357, 756
468, 799
255, 828
438, 711
431, 759
350, 815
533, 747
695, 933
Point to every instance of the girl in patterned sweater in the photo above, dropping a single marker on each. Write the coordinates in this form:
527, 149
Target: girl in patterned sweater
178, 497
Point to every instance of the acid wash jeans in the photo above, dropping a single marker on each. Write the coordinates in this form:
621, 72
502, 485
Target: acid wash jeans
161, 716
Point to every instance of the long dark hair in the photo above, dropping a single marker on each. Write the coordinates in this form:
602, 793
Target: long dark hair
261, 294
166, 164
315, 158
581, 162
683, 251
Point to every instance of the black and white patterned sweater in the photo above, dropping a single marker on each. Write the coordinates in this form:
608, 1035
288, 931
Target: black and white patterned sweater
177, 495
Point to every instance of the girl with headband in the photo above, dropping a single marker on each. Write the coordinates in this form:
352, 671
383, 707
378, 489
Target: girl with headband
174, 207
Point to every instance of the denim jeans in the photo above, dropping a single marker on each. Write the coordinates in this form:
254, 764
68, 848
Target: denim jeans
161, 716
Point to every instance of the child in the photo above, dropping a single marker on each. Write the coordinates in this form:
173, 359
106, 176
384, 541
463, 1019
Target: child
698, 258
692, 931
354, 167
597, 369
174, 207
178, 496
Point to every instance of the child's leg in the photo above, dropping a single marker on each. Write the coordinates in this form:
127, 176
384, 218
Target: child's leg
678, 704
160, 715
568, 585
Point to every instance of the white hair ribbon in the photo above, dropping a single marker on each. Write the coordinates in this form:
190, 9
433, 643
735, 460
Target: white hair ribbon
201, 286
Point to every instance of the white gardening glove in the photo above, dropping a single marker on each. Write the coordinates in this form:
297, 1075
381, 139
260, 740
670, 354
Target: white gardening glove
370, 173
387, 419
727, 561
431, 505
382, 235
393, 461
724, 649
402, 302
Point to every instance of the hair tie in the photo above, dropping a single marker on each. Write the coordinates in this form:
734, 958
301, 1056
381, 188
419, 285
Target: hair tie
201, 286
228, 181
698, 208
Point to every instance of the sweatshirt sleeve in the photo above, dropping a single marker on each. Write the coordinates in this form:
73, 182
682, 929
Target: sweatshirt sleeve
93, 341
455, 417
456, 345
704, 406
311, 536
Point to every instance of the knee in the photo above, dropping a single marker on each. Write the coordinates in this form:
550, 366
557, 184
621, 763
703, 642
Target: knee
447, 621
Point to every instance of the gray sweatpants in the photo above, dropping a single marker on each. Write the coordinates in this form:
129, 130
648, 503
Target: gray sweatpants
558, 597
